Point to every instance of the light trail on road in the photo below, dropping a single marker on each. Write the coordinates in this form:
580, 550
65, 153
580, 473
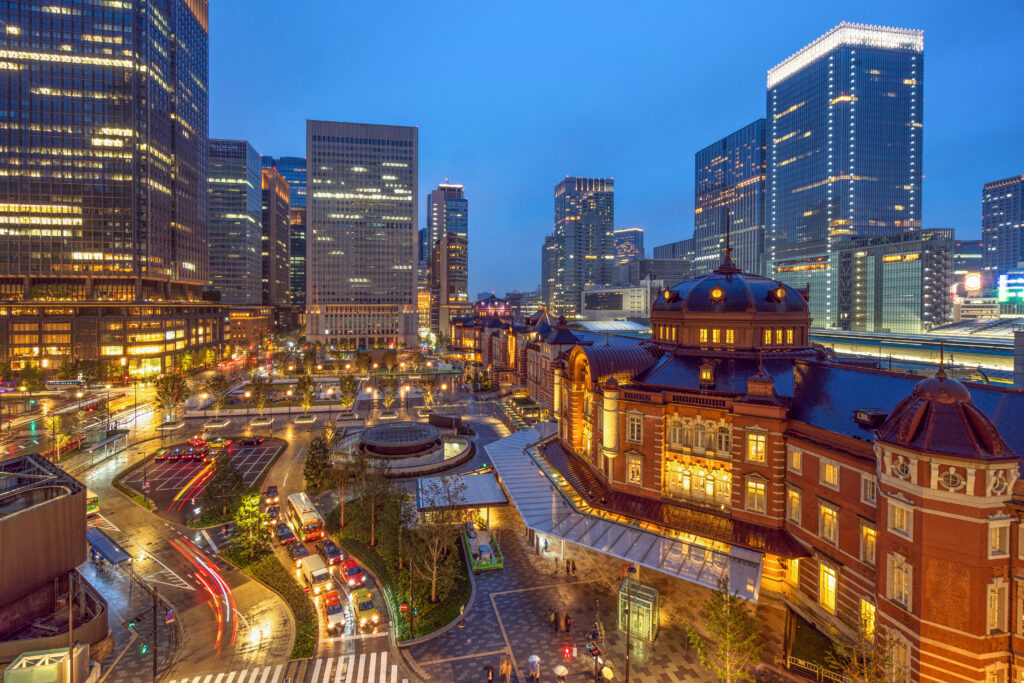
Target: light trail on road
192, 485
216, 586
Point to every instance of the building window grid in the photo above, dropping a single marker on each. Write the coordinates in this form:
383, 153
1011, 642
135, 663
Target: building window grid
634, 429
827, 585
828, 522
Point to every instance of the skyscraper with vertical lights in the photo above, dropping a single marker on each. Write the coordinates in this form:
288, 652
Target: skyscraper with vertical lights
581, 250
729, 188
845, 125
1002, 226
629, 245
447, 259
276, 238
236, 222
361, 234
103, 184
293, 169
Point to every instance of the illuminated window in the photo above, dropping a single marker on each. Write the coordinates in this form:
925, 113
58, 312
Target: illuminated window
703, 335
795, 461
730, 336
868, 543
999, 539
867, 620
778, 336
756, 444
767, 336
828, 523
716, 336
634, 429
793, 572
901, 520
705, 373
827, 587
634, 466
755, 495
789, 336
997, 606
829, 473
900, 577
793, 505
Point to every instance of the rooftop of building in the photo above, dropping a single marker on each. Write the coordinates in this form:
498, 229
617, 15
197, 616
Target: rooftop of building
31, 480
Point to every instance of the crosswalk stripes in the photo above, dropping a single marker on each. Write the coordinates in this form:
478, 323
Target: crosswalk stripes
370, 667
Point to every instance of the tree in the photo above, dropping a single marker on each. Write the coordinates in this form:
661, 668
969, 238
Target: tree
280, 359
6, 372
306, 390
171, 392
868, 658
218, 386
372, 489
428, 388
208, 357
318, 462
67, 368
250, 533
443, 341
31, 378
730, 647
348, 390
363, 361
88, 370
225, 483
188, 361
261, 386
416, 359
436, 533
61, 428
389, 360
347, 476
388, 385
309, 359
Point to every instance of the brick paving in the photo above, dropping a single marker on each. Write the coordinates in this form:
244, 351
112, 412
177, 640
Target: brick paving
511, 614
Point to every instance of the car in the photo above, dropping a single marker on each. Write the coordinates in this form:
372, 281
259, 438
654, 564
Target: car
271, 496
334, 612
169, 454
297, 552
362, 605
330, 551
250, 440
284, 534
198, 453
197, 440
273, 515
352, 573
219, 442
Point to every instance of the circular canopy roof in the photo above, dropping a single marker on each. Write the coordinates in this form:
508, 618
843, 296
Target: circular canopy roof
391, 434
731, 292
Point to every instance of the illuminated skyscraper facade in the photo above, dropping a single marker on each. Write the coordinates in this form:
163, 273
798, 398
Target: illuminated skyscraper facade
447, 260
629, 245
581, 251
844, 153
1002, 226
729, 183
293, 169
361, 253
276, 239
236, 220
103, 181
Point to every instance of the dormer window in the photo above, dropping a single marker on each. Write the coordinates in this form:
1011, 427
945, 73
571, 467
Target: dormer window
707, 374
780, 293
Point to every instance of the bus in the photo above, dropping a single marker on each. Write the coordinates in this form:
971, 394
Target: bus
306, 521
92, 503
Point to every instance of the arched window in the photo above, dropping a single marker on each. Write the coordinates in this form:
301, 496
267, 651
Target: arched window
724, 442
684, 480
675, 433
687, 436
698, 437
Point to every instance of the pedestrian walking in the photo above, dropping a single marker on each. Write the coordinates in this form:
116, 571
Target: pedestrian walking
553, 622
568, 568
574, 569
568, 623
505, 669
534, 668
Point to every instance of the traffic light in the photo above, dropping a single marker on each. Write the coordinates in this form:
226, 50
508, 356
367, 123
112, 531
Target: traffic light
593, 649
144, 648
567, 652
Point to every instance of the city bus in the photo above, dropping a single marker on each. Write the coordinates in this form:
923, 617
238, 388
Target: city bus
306, 521
92, 503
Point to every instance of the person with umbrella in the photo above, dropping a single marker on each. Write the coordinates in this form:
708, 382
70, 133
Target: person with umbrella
534, 661
561, 672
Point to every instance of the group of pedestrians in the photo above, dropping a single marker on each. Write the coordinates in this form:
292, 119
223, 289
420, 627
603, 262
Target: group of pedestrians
570, 569
556, 624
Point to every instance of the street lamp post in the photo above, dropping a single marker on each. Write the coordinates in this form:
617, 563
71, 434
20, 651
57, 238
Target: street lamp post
206, 406
289, 395
629, 616
106, 408
247, 404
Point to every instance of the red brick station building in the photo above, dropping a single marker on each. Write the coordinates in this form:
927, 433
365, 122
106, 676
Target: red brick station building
850, 494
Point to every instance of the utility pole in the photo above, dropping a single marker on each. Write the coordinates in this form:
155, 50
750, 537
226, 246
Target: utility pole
71, 627
154, 633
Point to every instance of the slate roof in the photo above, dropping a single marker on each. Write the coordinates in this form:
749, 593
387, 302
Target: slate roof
606, 361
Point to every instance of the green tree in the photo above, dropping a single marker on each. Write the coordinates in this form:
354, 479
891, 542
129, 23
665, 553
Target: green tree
225, 483
318, 462
67, 368
428, 388
389, 360
416, 359
348, 390
437, 532
867, 658
6, 372
347, 477
188, 361
443, 341
251, 534
729, 648
388, 385
31, 378
306, 390
218, 387
89, 370
171, 392
363, 361
62, 427
261, 387
309, 359
372, 489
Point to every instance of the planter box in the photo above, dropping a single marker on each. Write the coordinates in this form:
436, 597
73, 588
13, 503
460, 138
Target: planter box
216, 424
170, 426
390, 415
305, 419
261, 422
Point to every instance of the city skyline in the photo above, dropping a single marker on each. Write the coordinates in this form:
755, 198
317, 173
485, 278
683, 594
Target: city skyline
511, 198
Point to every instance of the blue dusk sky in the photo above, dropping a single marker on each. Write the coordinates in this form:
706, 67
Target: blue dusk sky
510, 97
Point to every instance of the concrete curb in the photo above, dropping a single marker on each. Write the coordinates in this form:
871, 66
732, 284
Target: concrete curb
454, 622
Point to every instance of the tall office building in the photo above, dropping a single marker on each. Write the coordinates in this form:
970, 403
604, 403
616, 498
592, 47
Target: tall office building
236, 220
1002, 226
844, 153
447, 260
581, 250
683, 249
276, 239
729, 187
293, 169
897, 283
629, 245
361, 255
103, 184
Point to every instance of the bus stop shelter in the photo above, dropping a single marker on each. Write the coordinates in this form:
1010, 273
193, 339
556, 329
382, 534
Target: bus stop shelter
107, 548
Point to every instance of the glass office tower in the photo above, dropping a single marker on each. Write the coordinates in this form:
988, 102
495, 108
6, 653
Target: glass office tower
276, 238
844, 153
629, 245
236, 222
447, 260
361, 256
1002, 226
294, 171
103, 181
729, 183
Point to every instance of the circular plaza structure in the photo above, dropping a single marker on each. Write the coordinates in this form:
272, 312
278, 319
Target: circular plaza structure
414, 448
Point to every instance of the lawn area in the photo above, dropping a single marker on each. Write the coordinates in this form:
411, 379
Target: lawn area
267, 569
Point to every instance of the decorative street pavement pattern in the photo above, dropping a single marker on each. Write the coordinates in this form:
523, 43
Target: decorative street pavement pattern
510, 615
370, 667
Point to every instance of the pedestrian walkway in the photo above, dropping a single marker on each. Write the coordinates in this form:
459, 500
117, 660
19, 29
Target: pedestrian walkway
369, 667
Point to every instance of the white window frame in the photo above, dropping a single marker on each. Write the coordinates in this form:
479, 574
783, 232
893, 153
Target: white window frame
753, 436
675, 428
724, 434
900, 672
751, 485
996, 603
637, 462
635, 423
825, 568
790, 517
822, 506
895, 507
793, 572
998, 532
898, 562
823, 464
868, 555
866, 481
795, 460
867, 605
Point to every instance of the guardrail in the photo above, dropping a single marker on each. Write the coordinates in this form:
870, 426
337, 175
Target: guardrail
819, 672
496, 561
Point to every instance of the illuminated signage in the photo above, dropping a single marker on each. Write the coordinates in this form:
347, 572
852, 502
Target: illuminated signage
1011, 287
972, 282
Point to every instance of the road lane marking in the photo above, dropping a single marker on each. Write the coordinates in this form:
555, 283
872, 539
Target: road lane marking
210, 541
316, 668
359, 675
277, 673
383, 667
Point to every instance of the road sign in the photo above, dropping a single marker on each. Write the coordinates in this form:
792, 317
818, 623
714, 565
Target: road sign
403, 607
170, 616
145, 487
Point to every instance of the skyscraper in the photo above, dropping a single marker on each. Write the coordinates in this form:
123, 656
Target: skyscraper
629, 245
276, 239
1002, 225
361, 260
236, 220
103, 183
729, 184
581, 250
447, 260
294, 171
844, 153
683, 249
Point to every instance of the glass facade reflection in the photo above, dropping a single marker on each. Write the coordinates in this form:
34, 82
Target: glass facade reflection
1002, 226
294, 171
729, 179
844, 152
447, 250
236, 219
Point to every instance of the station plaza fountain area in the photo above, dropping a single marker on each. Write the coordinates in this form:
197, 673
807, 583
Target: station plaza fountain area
415, 448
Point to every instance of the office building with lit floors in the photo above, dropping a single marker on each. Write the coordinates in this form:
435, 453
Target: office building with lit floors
236, 222
276, 239
1002, 226
877, 506
629, 245
293, 170
103, 206
361, 234
449, 285
844, 161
